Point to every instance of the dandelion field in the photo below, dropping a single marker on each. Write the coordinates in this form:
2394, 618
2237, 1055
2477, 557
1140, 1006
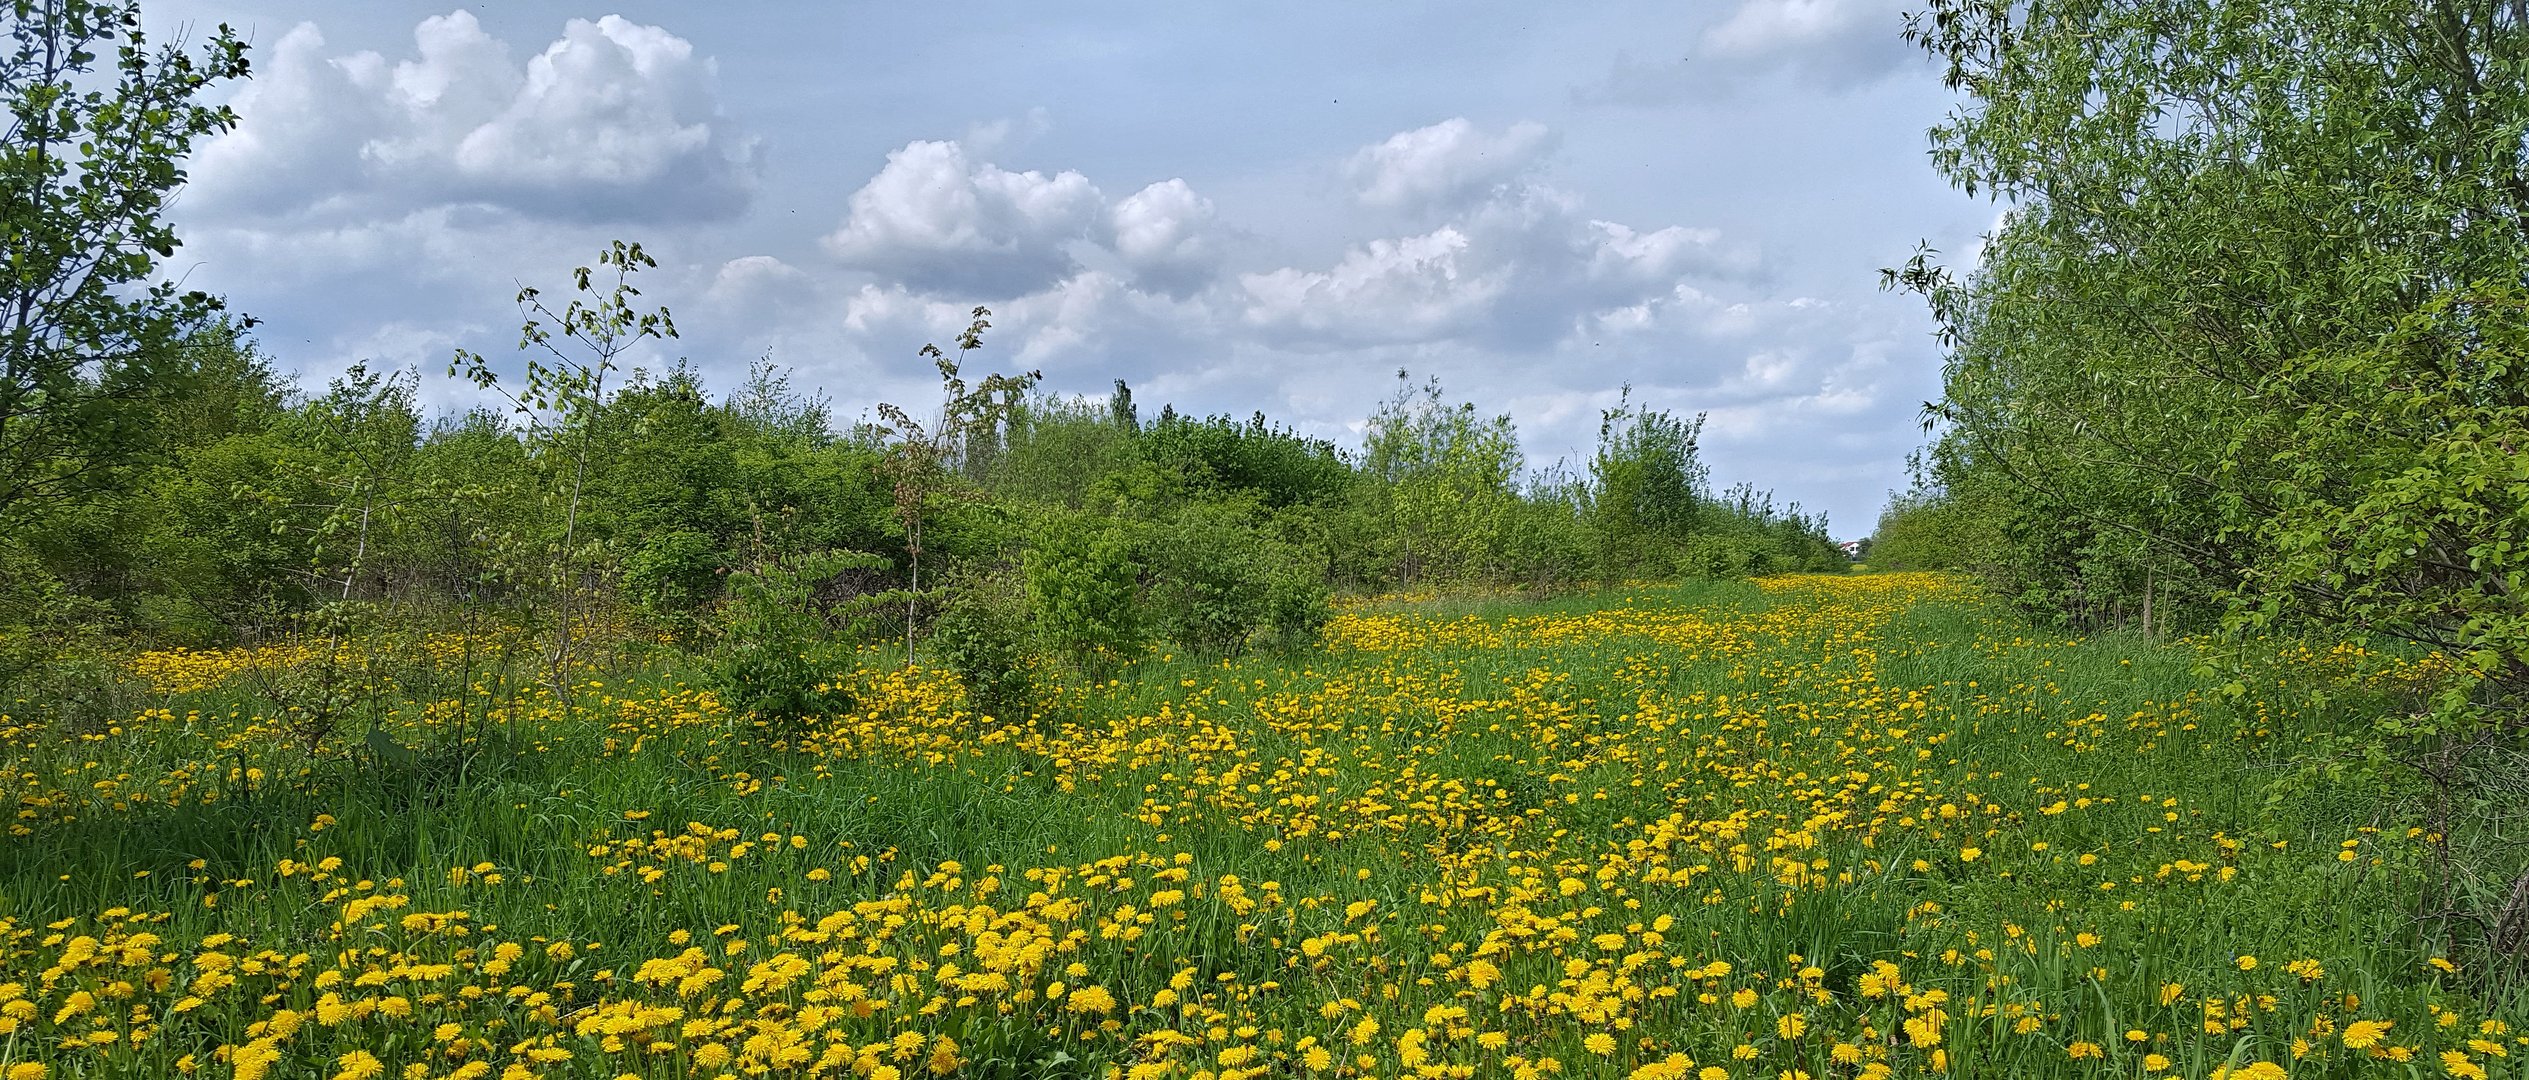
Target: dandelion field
1810, 826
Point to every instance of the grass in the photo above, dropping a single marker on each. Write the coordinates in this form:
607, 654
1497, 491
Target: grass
1834, 826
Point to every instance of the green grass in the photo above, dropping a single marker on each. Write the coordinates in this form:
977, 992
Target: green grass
1507, 781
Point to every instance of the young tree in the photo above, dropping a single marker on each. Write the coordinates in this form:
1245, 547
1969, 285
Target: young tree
1646, 484
99, 124
921, 463
561, 400
1449, 476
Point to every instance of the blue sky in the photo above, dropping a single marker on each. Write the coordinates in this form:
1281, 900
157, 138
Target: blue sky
1235, 207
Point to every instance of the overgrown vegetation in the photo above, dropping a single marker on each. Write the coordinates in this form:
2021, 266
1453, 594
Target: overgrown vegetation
647, 728
2244, 357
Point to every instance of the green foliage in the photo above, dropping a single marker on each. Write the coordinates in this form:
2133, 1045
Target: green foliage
1081, 584
2228, 353
94, 338
1213, 580
1297, 604
1276, 466
1447, 476
925, 465
778, 661
983, 633
1647, 487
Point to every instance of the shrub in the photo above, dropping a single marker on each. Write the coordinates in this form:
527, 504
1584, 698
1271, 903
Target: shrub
1718, 556
1297, 604
1080, 583
1207, 579
777, 660
981, 633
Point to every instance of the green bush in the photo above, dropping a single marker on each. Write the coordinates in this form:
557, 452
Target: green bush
1207, 587
777, 661
1718, 556
1297, 603
1081, 585
981, 633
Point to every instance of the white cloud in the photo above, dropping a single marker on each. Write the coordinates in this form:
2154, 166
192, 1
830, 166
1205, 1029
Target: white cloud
613, 121
1520, 269
1831, 44
1446, 165
933, 220
1416, 288
1833, 30
1169, 236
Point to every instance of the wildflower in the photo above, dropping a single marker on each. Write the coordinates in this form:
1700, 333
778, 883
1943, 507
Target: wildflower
1091, 1000
2365, 1034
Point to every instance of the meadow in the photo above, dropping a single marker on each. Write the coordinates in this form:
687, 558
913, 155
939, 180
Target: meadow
1810, 826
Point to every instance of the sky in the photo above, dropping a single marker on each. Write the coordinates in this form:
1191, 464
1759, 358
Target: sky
1232, 207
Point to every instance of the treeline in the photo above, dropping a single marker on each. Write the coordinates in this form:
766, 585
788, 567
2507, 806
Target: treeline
2247, 354
160, 482
1007, 519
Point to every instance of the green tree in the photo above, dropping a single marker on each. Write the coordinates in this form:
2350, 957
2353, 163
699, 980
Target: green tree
99, 124
2246, 342
1449, 478
562, 398
924, 464
1646, 486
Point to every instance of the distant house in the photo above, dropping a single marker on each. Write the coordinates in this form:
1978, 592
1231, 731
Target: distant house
1852, 549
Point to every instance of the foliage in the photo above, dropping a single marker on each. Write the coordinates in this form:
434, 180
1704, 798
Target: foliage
778, 660
1447, 476
562, 400
1647, 487
983, 633
921, 463
2242, 347
1080, 583
91, 338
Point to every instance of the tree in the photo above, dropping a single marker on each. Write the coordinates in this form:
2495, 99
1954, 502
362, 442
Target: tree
1646, 484
92, 151
2249, 339
562, 400
922, 462
2200, 192
1449, 477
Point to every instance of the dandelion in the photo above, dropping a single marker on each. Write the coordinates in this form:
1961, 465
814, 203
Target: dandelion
2365, 1034
1091, 1000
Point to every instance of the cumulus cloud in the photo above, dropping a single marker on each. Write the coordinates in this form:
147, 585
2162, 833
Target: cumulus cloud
1409, 289
614, 120
1169, 236
1446, 165
934, 220
1518, 266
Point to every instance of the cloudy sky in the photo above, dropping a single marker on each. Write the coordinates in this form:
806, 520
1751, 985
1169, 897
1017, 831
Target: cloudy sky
1234, 207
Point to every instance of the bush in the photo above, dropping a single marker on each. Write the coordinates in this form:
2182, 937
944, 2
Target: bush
1297, 604
981, 633
1207, 586
1718, 556
777, 661
673, 572
1080, 583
